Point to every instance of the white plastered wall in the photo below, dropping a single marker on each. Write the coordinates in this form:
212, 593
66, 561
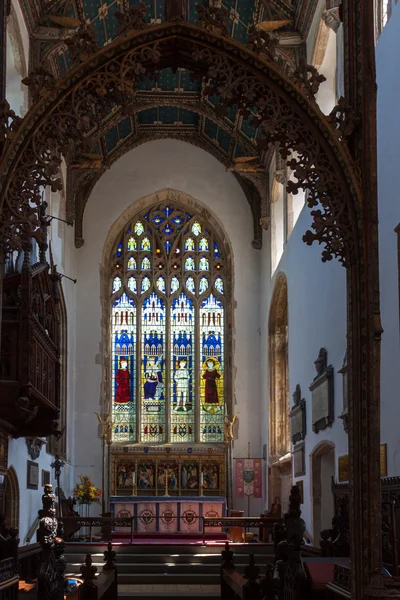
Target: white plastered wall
143, 171
317, 319
388, 79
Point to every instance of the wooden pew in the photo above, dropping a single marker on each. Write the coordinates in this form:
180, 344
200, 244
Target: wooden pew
103, 587
249, 586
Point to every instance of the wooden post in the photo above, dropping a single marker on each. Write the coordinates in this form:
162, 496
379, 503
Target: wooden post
3, 47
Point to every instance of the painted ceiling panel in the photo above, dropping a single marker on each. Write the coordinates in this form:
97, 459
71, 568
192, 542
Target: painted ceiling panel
148, 116
111, 137
210, 129
224, 140
124, 128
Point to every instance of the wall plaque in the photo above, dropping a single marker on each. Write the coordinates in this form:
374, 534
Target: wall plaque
322, 393
343, 464
32, 479
299, 464
298, 417
45, 477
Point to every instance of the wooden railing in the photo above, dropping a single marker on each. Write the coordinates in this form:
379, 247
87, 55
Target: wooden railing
246, 523
103, 587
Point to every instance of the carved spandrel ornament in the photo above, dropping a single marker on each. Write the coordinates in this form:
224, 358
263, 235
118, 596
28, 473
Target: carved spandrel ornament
322, 393
298, 417
34, 446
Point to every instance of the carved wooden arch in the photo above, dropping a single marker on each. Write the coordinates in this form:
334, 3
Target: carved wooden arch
344, 215
287, 112
12, 498
278, 371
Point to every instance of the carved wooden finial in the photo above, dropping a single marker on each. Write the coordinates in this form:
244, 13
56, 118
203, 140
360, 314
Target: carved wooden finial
88, 571
109, 557
251, 572
227, 557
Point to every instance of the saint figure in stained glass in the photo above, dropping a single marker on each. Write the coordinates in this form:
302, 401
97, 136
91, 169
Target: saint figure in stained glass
123, 394
182, 378
210, 374
153, 379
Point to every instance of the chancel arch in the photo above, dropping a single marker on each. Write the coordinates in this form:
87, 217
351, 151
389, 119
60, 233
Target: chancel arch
280, 463
341, 180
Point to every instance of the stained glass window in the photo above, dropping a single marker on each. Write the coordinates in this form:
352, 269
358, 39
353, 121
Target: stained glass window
168, 330
131, 264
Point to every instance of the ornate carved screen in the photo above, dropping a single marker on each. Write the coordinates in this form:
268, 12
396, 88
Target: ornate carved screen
168, 328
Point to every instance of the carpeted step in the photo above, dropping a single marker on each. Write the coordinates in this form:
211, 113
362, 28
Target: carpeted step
181, 591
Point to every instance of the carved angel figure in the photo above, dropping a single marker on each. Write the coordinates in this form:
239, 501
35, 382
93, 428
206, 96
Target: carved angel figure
106, 427
229, 428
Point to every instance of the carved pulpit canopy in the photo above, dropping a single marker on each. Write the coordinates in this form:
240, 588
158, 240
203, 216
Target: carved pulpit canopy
30, 365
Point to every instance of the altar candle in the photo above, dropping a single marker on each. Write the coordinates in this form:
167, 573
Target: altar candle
133, 477
201, 478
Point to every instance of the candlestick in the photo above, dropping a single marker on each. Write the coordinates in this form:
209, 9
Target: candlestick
166, 483
134, 488
201, 482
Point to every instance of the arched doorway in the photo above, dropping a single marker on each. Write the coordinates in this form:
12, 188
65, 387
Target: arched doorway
280, 462
322, 471
12, 498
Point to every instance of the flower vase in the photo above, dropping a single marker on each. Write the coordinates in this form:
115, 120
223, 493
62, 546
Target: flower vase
84, 512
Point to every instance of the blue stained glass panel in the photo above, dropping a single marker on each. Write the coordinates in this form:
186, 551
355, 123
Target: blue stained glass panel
123, 326
212, 370
182, 370
153, 322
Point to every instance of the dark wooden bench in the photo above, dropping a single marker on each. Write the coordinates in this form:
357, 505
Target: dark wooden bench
103, 587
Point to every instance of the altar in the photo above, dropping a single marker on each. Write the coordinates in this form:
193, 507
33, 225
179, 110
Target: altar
168, 489
165, 515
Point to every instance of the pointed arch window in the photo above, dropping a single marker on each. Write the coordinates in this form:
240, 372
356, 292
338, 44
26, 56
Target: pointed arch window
168, 329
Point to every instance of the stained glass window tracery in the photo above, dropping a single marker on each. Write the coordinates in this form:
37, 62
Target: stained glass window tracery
168, 330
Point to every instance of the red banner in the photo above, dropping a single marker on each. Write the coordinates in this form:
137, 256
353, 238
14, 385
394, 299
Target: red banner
248, 477
239, 477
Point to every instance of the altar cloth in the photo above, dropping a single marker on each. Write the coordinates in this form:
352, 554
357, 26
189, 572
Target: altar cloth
167, 514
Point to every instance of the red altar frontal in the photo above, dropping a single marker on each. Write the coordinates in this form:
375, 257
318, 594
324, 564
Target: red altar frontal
167, 515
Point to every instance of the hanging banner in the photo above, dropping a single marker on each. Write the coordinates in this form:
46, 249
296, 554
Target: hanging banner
248, 477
